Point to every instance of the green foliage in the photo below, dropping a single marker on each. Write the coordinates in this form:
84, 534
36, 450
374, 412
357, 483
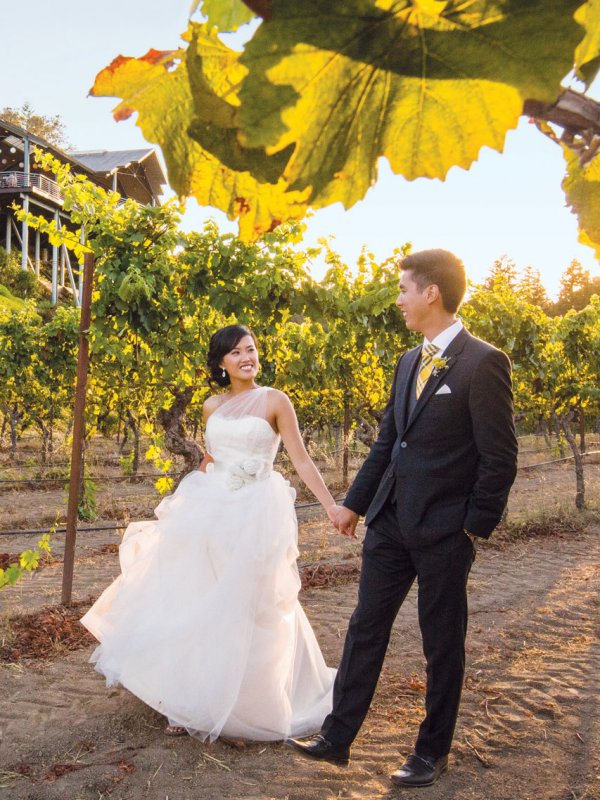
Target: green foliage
86, 507
556, 360
37, 364
164, 484
330, 344
500, 315
425, 84
576, 288
587, 55
126, 463
19, 282
582, 189
8, 302
227, 15
532, 290
159, 87
29, 561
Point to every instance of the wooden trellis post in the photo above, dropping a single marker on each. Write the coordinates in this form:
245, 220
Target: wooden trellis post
83, 360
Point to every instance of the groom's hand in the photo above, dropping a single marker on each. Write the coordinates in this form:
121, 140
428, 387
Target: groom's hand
346, 522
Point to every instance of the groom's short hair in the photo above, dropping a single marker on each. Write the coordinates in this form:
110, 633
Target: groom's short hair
442, 268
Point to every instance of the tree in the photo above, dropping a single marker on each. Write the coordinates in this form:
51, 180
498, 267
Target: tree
574, 288
503, 272
505, 318
532, 290
568, 361
302, 116
50, 128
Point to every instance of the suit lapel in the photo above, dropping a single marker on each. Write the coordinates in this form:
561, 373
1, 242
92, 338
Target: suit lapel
451, 354
404, 382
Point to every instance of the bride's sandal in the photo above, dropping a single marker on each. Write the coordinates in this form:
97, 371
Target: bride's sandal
175, 730
238, 743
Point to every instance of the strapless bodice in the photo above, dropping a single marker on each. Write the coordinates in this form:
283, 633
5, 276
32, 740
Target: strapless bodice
242, 446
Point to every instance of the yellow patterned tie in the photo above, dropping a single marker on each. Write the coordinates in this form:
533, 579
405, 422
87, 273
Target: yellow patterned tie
426, 368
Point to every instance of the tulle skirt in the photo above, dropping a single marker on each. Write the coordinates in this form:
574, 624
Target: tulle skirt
204, 623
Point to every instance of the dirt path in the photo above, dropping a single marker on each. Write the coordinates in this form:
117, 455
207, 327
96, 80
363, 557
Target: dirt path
529, 726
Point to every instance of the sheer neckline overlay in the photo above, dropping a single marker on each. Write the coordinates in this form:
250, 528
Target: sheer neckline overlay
250, 403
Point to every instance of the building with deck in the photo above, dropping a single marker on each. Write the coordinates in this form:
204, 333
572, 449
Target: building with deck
135, 174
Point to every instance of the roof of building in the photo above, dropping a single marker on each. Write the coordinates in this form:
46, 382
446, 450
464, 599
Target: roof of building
12, 135
138, 172
126, 165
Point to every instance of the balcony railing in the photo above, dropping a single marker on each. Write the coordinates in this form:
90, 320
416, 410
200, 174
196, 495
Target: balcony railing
19, 180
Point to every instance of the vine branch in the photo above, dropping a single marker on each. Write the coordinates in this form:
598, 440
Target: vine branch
579, 117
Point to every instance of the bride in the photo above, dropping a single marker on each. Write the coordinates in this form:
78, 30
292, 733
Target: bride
204, 623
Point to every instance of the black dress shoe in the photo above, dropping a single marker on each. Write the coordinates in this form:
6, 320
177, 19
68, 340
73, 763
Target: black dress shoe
320, 748
417, 771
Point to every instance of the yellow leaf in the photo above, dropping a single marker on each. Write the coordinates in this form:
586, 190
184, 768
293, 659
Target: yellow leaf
157, 87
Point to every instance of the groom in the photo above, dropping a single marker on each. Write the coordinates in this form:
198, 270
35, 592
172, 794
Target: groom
436, 479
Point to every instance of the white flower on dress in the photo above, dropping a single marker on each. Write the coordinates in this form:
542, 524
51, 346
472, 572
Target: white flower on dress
243, 473
235, 481
251, 466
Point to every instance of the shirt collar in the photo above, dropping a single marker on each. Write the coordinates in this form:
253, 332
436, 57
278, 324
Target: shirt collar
443, 339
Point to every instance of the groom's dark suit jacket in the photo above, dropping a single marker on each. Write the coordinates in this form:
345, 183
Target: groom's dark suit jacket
450, 463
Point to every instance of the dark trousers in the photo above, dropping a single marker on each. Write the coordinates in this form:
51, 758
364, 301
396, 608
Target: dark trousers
389, 568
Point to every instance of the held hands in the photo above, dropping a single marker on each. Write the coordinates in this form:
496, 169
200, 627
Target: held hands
344, 520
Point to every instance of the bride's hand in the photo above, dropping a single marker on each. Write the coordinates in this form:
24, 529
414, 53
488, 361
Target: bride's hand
343, 519
208, 459
333, 512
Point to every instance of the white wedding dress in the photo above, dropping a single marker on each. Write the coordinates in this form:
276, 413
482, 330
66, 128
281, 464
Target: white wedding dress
204, 622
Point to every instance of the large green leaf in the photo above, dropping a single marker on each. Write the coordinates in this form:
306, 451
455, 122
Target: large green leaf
587, 55
426, 83
215, 74
582, 188
227, 15
157, 86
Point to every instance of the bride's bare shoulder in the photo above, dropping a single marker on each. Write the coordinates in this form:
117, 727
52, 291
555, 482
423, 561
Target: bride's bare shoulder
211, 404
276, 395
278, 401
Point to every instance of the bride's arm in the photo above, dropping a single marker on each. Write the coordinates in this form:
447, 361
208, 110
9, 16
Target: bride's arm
208, 407
287, 424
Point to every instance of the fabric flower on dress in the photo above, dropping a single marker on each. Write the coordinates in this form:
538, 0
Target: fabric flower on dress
243, 473
251, 466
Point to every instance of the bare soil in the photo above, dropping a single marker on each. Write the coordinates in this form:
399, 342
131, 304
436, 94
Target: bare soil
529, 727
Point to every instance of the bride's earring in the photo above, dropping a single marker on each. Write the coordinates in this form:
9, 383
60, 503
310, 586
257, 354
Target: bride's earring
224, 374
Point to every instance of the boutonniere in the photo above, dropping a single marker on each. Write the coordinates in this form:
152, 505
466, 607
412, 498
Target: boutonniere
440, 363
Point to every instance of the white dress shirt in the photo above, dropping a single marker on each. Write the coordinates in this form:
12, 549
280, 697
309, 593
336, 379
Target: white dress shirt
443, 339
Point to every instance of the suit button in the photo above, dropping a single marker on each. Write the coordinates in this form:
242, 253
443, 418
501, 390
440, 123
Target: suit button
403, 444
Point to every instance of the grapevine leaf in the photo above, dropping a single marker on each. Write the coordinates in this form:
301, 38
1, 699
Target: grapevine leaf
12, 574
215, 73
582, 188
424, 82
29, 560
587, 55
226, 15
157, 86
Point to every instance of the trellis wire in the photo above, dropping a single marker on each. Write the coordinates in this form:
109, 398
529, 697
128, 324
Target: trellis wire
297, 506
116, 526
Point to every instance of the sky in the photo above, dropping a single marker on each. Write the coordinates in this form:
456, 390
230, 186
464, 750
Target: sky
508, 203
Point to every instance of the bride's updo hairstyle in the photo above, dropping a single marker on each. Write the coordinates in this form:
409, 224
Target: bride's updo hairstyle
221, 343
